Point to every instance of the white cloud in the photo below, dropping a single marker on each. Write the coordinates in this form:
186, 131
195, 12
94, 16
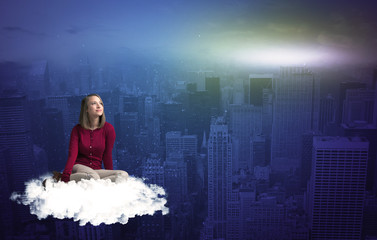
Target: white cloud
93, 201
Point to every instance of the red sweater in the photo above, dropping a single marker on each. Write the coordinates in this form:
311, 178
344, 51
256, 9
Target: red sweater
90, 148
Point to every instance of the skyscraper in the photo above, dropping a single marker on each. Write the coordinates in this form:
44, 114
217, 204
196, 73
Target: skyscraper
244, 122
358, 107
326, 112
295, 112
185, 146
219, 176
258, 82
337, 187
212, 86
344, 86
15, 136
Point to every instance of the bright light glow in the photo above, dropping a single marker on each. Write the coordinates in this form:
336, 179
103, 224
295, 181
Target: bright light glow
93, 201
278, 57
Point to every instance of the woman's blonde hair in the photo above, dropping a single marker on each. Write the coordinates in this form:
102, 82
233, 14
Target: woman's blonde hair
84, 118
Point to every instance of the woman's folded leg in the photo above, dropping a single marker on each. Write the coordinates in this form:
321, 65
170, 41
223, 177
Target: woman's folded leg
80, 171
111, 174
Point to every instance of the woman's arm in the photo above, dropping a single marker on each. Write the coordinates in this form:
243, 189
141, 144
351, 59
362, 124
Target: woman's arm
72, 154
109, 144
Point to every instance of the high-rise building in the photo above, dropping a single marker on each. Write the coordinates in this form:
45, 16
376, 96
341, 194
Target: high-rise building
244, 122
175, 179
219, 176
306, 157
326, 112
15, 136
148, 110
152, 227
337, 187
183, 144
212, 86
186, 146
6, 217
258, 82
296, 106
126, 125
267, 111
258, 151
359, 114
55, 144
172, 117
358, 107
198, 78
343, 87
198, 113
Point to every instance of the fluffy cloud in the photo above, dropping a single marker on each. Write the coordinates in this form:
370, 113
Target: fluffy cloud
93, 201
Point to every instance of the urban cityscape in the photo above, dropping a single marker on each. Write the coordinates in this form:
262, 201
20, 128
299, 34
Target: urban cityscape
244, 149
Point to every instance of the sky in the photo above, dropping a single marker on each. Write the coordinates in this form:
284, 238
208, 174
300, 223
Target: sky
231, 30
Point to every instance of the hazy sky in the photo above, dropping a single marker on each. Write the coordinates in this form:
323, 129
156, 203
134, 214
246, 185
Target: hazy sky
222, 29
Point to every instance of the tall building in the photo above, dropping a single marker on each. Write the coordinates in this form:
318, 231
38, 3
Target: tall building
327, 112
306, 157
186, 146
258, 82
244, 122
258, 151
126, 125
358, 107
152, 227
296, 107
267, 111
182, 144
172, 117
212, 85
6, 217
343, 87
337, 187
53, 134
198, 78
359, 114
15, 137
61, 103
219, 176
175, 179
148, 110
198, 113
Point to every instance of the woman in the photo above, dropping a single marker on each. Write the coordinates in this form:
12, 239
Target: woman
91, 144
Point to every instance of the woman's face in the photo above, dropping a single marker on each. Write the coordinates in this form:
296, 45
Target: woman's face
95, 107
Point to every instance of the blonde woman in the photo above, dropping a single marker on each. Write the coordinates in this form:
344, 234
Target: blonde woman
91, 144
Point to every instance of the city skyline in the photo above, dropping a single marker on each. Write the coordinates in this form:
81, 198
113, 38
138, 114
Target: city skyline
247, 113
